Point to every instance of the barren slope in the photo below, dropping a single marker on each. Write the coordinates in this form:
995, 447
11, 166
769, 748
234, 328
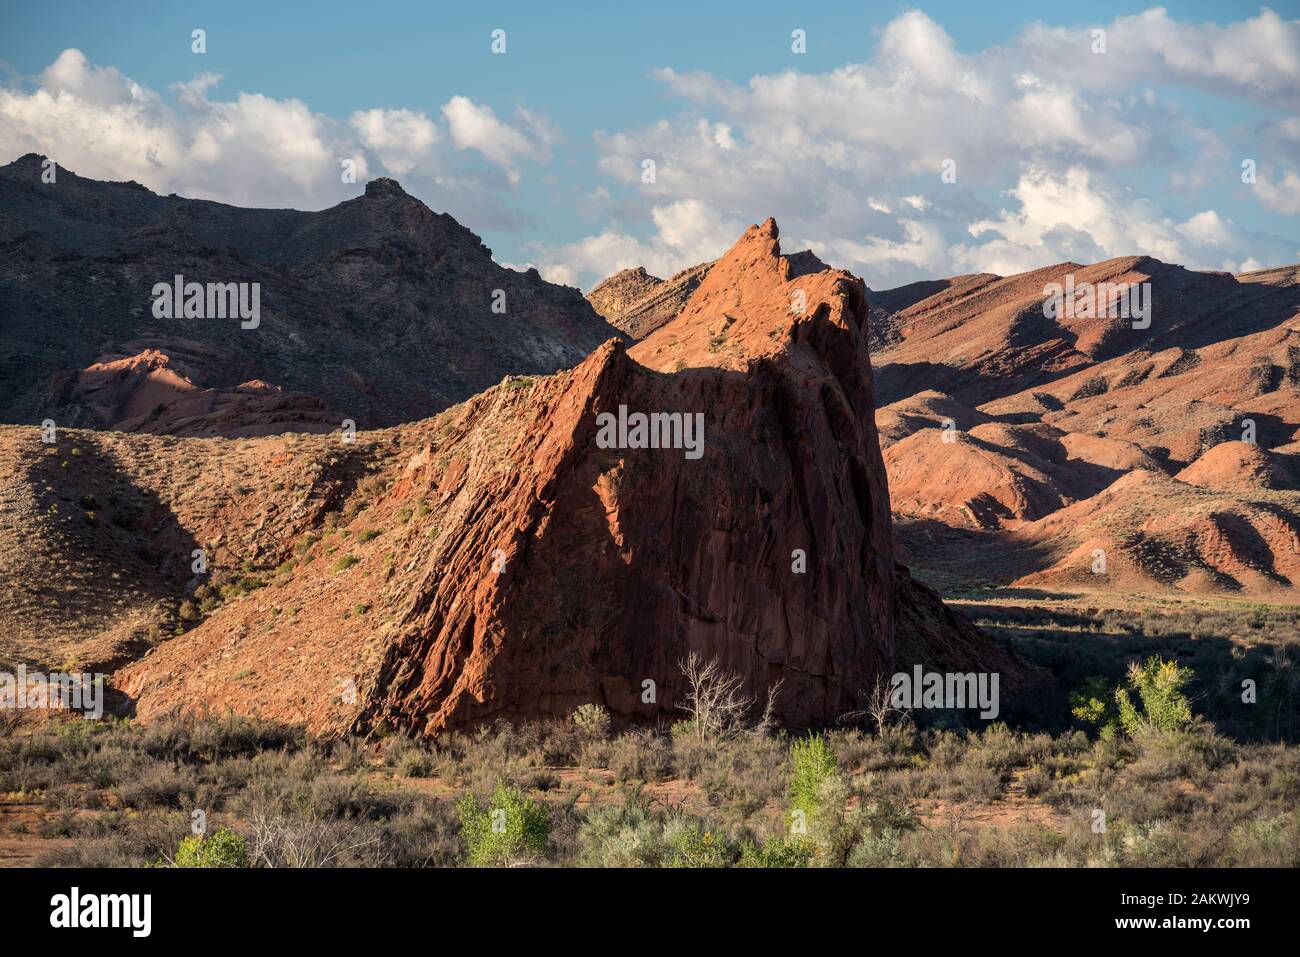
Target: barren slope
1043, 417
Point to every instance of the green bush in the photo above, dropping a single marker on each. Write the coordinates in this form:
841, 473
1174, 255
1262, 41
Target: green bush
511, 829
812, 765
696, 845
779, 852
1159, 686
592, 722
1094, 704
224, 848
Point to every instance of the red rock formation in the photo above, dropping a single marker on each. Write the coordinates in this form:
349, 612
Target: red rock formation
621, 562
549, 571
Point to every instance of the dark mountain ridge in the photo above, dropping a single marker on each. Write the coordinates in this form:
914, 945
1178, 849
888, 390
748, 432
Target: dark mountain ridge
380, 309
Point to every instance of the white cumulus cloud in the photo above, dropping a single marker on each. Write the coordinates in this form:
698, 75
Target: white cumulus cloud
253, 149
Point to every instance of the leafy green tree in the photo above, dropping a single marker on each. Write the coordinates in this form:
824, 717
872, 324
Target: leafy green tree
1094, 704
1159, 687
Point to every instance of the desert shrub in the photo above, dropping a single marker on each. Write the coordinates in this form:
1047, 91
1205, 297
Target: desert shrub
543, 781
1036, 781
120, 839
592, 722
594, 754
997, 748
189, 740
1272, 841
778, 851
414, 764
691, 753
286, 841
884, 848
224, 848
856, 750
104, 767
425, 834
340, 796
967, 781
739, 775
489, 755
158, 785
626, 835
408, 758
694, 843
349, 754
509, 829
558, 744
641, 756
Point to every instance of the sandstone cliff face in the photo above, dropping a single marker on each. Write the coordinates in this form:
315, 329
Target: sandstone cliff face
512, 567
618, 563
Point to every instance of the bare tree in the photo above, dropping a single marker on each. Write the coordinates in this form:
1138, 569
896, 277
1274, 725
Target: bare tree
768, 721
880, 705
715, 699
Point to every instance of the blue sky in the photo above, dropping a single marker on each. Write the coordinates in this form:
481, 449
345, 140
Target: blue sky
1059, 152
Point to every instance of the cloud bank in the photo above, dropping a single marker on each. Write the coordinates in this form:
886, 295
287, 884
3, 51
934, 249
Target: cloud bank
1043, 137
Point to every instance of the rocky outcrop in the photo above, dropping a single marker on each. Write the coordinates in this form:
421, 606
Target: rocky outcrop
382, 309
516, 564
638, 303
150, 392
